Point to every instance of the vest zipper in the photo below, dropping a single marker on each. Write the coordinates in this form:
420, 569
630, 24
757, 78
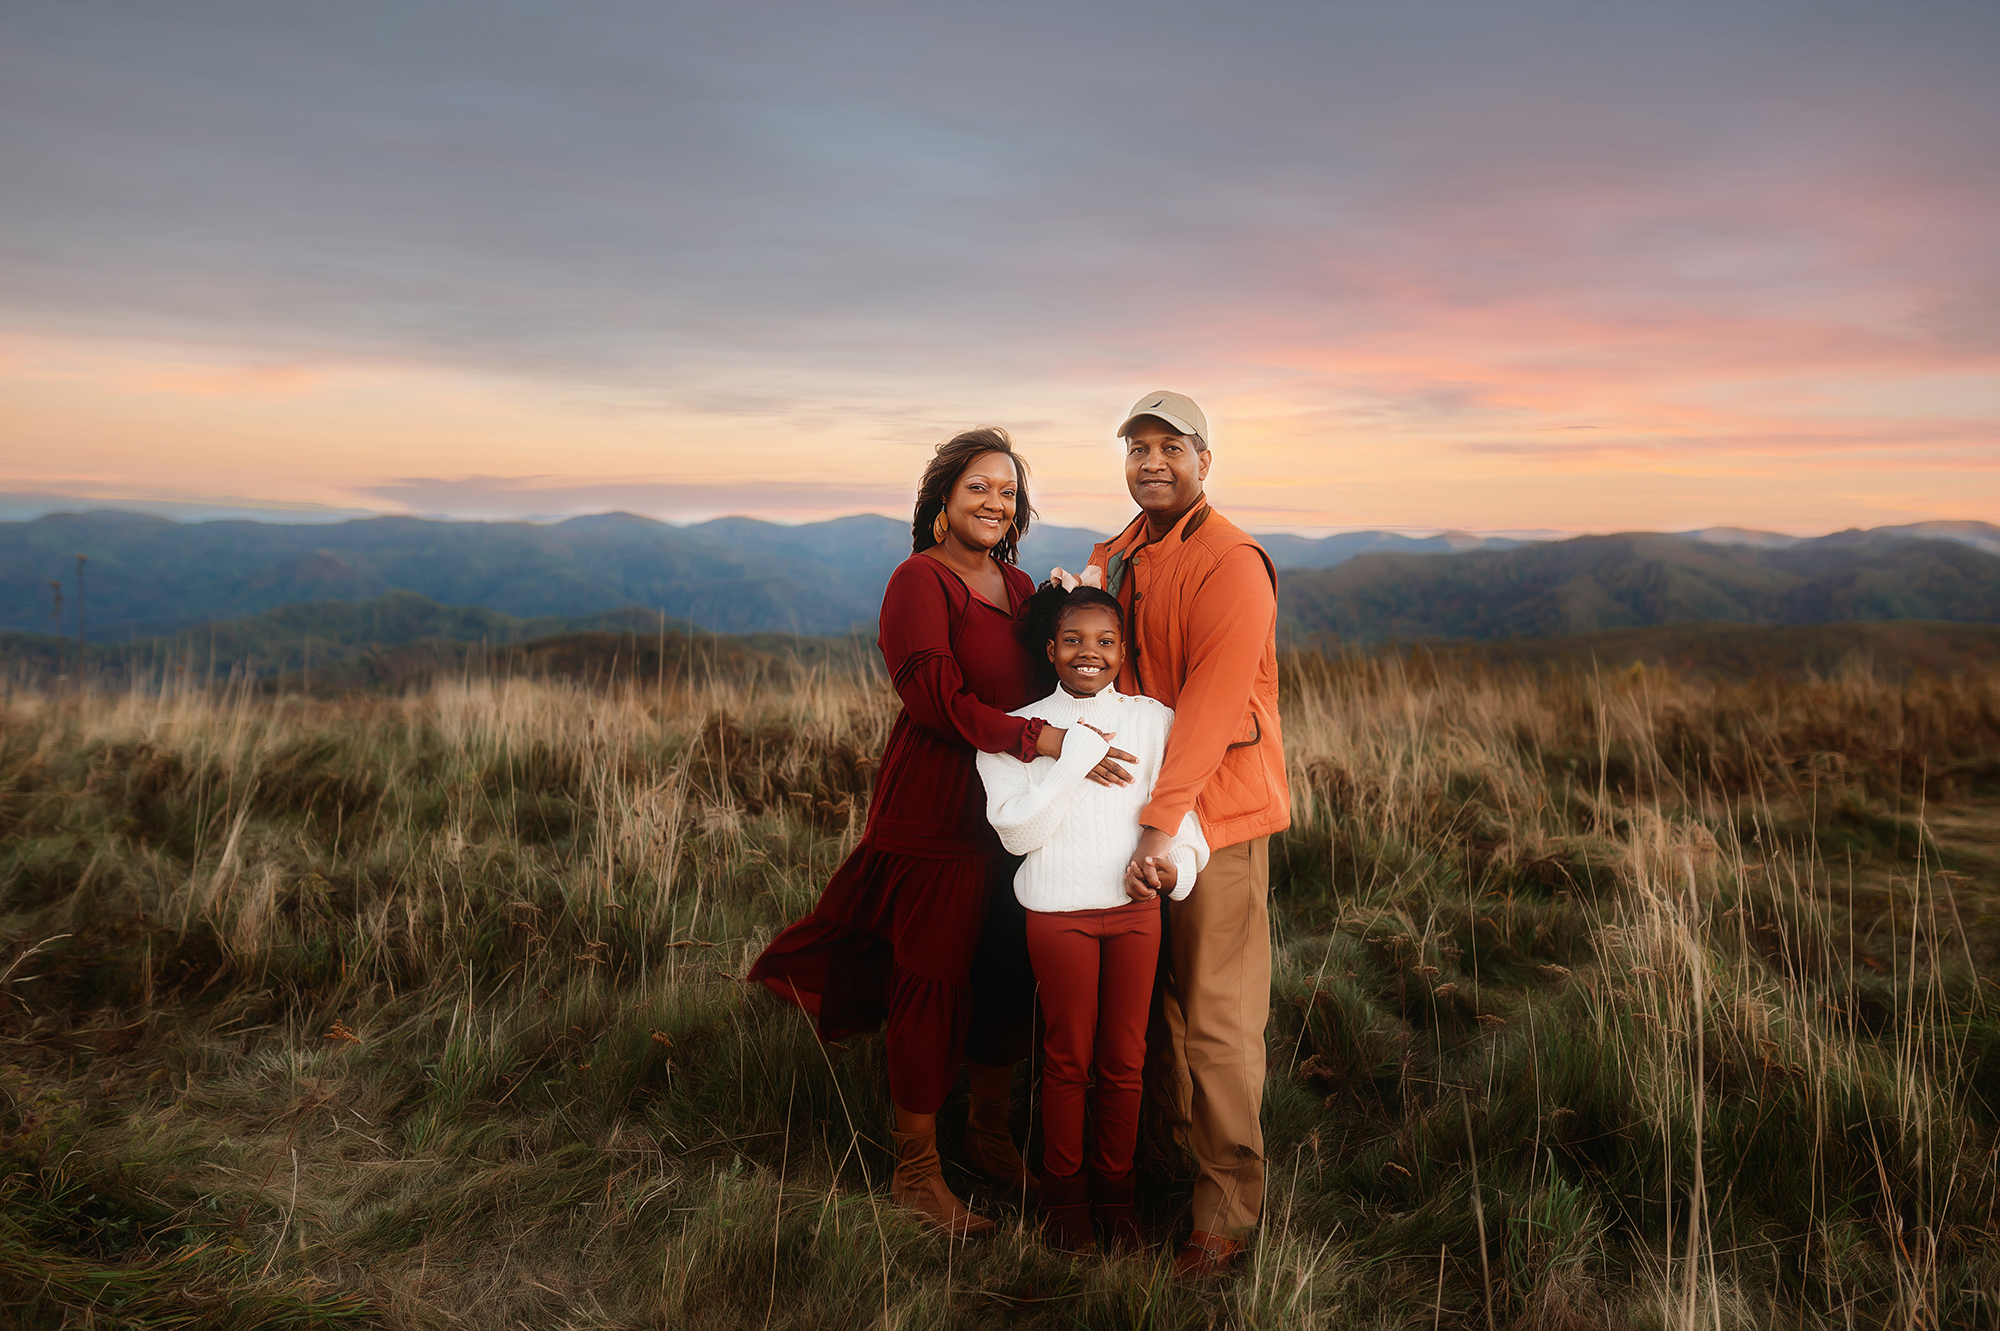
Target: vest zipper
1132, 632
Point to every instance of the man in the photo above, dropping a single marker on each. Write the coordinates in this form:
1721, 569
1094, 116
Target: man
1200, 600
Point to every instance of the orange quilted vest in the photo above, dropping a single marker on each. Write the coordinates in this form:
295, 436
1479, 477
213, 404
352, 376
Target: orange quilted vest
1201, 620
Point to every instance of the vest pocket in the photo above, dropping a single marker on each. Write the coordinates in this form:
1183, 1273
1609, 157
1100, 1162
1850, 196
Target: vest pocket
1245, 785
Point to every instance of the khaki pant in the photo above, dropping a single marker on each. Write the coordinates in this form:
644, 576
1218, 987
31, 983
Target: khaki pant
1216, 999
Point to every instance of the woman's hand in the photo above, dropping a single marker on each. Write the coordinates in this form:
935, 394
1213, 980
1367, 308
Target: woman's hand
1049, 744
1108, 772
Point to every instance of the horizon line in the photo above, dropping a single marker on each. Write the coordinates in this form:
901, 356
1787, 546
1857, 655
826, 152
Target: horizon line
325, 516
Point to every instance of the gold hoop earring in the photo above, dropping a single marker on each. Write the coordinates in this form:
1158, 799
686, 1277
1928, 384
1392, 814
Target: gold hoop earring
938, 528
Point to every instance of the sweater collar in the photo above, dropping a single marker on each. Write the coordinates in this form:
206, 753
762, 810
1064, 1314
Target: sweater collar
1074, 706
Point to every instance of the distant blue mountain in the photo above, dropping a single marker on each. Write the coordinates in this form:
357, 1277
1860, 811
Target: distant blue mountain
1289, 551
148, 575
1635, 580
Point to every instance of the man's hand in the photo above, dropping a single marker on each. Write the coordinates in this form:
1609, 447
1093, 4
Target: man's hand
1148, 872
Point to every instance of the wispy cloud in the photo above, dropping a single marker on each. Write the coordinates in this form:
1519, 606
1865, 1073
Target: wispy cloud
702, 254
22, 506
540, 497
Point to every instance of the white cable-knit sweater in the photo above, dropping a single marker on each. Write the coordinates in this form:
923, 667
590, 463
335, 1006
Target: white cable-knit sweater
1077, 835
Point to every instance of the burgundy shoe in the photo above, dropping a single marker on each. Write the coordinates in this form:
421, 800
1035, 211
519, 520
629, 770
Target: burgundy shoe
1206, 1254
1066, 1212
1111, 1205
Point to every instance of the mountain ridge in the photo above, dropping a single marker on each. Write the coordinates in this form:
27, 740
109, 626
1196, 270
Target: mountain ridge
1640, 579
149, 575
402, 640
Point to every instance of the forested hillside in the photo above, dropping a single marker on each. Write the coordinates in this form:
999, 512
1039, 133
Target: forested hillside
148, 576
1634, 580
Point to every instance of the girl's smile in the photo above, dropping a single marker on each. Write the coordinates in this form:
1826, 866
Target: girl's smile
1087, 650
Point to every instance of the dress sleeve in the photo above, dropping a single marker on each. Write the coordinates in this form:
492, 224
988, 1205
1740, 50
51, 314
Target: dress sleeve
916, 646
1026, 813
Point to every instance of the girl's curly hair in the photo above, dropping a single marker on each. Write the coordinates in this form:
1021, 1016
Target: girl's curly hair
1044, 616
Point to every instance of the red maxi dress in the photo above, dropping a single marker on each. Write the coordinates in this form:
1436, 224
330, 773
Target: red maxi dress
926, 899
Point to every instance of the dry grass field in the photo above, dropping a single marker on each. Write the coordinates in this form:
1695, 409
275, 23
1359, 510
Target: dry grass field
1601, 1000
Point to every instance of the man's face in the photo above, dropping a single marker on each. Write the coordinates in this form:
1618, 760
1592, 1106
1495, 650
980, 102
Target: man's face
1162, 470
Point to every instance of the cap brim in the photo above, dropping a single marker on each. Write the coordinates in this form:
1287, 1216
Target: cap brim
1180, 426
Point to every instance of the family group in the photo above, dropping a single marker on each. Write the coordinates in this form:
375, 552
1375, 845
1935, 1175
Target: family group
1071, 823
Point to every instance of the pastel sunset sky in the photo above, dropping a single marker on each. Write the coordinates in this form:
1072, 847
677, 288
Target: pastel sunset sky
1486, 264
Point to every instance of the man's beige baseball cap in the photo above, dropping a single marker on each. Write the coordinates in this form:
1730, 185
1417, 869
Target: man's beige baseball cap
1176, 409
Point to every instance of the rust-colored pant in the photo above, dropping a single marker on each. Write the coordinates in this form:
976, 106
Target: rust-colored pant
1094, 971
1216, 1000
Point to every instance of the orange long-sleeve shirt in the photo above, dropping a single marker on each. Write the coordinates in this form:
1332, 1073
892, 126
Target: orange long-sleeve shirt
1201, 611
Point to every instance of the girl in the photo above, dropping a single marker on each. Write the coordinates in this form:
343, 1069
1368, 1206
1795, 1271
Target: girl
1094, 948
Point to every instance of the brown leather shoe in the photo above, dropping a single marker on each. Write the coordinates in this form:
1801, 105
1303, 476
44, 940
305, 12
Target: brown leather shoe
918, 1185
1066, 1212
988, 1148
1111, 1207
1206, 1254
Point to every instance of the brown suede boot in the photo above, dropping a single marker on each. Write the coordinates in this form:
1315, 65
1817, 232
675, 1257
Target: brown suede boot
918, 1184
1066, 1212
988, 1149
1205, 1255
1111, 1206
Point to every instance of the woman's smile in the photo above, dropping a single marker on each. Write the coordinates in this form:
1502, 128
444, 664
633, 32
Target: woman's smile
980, 509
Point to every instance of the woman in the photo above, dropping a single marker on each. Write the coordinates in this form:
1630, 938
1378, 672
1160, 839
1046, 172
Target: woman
896, 931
